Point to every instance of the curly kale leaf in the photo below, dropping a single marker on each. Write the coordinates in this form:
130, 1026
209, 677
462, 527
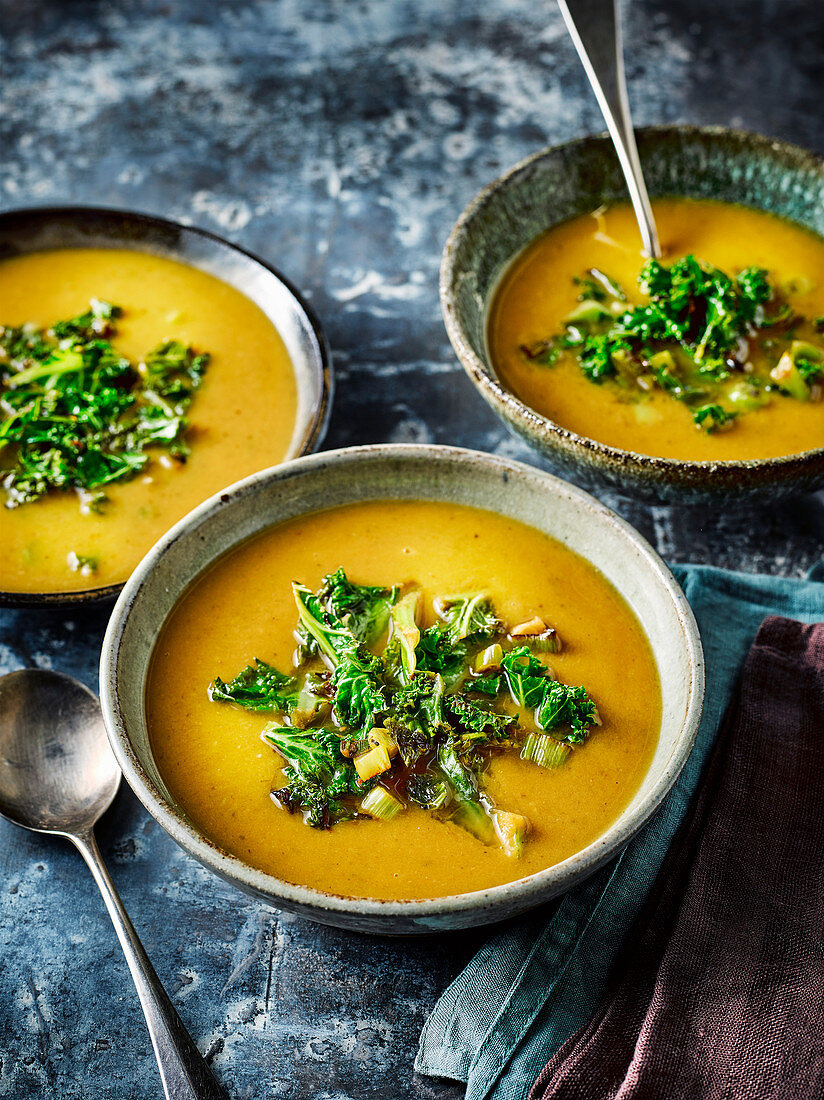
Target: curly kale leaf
172, 371
705, 310
477, 725
424, 700
554, 703
525, 675
563, 704
79, 415
410, 736
318, 776
362, 609
470, 618
712, 417
437, 652
317, 630
427, 789
358, 688
693, 311
257, 687
467, 622
94, 322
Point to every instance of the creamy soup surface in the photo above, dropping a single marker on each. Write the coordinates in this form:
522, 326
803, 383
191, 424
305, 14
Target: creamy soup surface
221, 773
241, 419
538, 292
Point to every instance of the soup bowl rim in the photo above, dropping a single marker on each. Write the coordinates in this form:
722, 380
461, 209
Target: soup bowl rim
633, 467
369, 914
317, 416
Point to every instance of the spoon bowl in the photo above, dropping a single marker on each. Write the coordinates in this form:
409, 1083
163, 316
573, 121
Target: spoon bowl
57, 772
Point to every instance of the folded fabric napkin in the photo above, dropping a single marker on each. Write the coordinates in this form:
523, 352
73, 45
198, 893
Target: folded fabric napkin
536, 984
718, 991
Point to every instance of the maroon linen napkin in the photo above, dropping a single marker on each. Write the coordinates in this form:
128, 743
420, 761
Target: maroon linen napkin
720, 992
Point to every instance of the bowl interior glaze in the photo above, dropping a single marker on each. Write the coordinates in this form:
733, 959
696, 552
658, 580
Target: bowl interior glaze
575, 178
400, 472
40, 229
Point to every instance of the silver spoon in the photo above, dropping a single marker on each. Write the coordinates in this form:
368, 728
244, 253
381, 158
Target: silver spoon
58, 775
595, 28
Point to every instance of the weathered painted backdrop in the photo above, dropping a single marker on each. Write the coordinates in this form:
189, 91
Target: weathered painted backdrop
340, 139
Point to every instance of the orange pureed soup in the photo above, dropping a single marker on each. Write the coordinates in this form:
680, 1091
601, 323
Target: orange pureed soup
220, 772
241, 418
539, 291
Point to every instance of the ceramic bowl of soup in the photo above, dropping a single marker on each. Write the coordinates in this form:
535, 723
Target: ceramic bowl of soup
552, 574
546, 298
144, 365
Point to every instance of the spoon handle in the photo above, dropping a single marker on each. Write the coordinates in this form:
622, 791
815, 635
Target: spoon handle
595, 28
183, 1070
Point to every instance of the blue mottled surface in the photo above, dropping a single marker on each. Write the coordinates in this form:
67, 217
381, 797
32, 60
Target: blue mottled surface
340, 140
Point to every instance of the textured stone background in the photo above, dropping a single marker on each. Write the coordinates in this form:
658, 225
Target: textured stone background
340, 139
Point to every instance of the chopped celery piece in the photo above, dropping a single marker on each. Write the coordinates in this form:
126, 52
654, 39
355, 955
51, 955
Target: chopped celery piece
789, 378
489, 660
587, 312
512, 830
547, 641
801, 349
380, 738
380, 804
406, 633
747, 397
476, 819
663, 360
545, 751
374, 762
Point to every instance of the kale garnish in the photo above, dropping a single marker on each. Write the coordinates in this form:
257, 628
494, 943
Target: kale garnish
257, 687
78, 415
692, 338
405, 731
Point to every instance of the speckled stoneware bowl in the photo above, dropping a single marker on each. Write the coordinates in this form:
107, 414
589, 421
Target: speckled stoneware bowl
38, 229
571, 179
400, 472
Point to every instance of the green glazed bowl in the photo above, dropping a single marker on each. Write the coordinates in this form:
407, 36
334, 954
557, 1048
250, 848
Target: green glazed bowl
559, 183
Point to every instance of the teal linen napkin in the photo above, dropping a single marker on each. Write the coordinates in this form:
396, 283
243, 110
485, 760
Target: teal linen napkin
532, 986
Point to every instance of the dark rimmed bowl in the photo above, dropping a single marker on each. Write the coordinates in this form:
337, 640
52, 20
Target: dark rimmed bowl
400, 473
51, 227
575, 178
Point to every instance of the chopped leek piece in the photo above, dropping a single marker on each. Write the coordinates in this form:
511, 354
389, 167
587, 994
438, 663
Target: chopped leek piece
789, 378
512, 830
589, 311
545, 751
380, 738
489, 660
380, 804
548, 642
663, 360
746, 396
476, 819
374, 762
406, 633
531, 626
646, 414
